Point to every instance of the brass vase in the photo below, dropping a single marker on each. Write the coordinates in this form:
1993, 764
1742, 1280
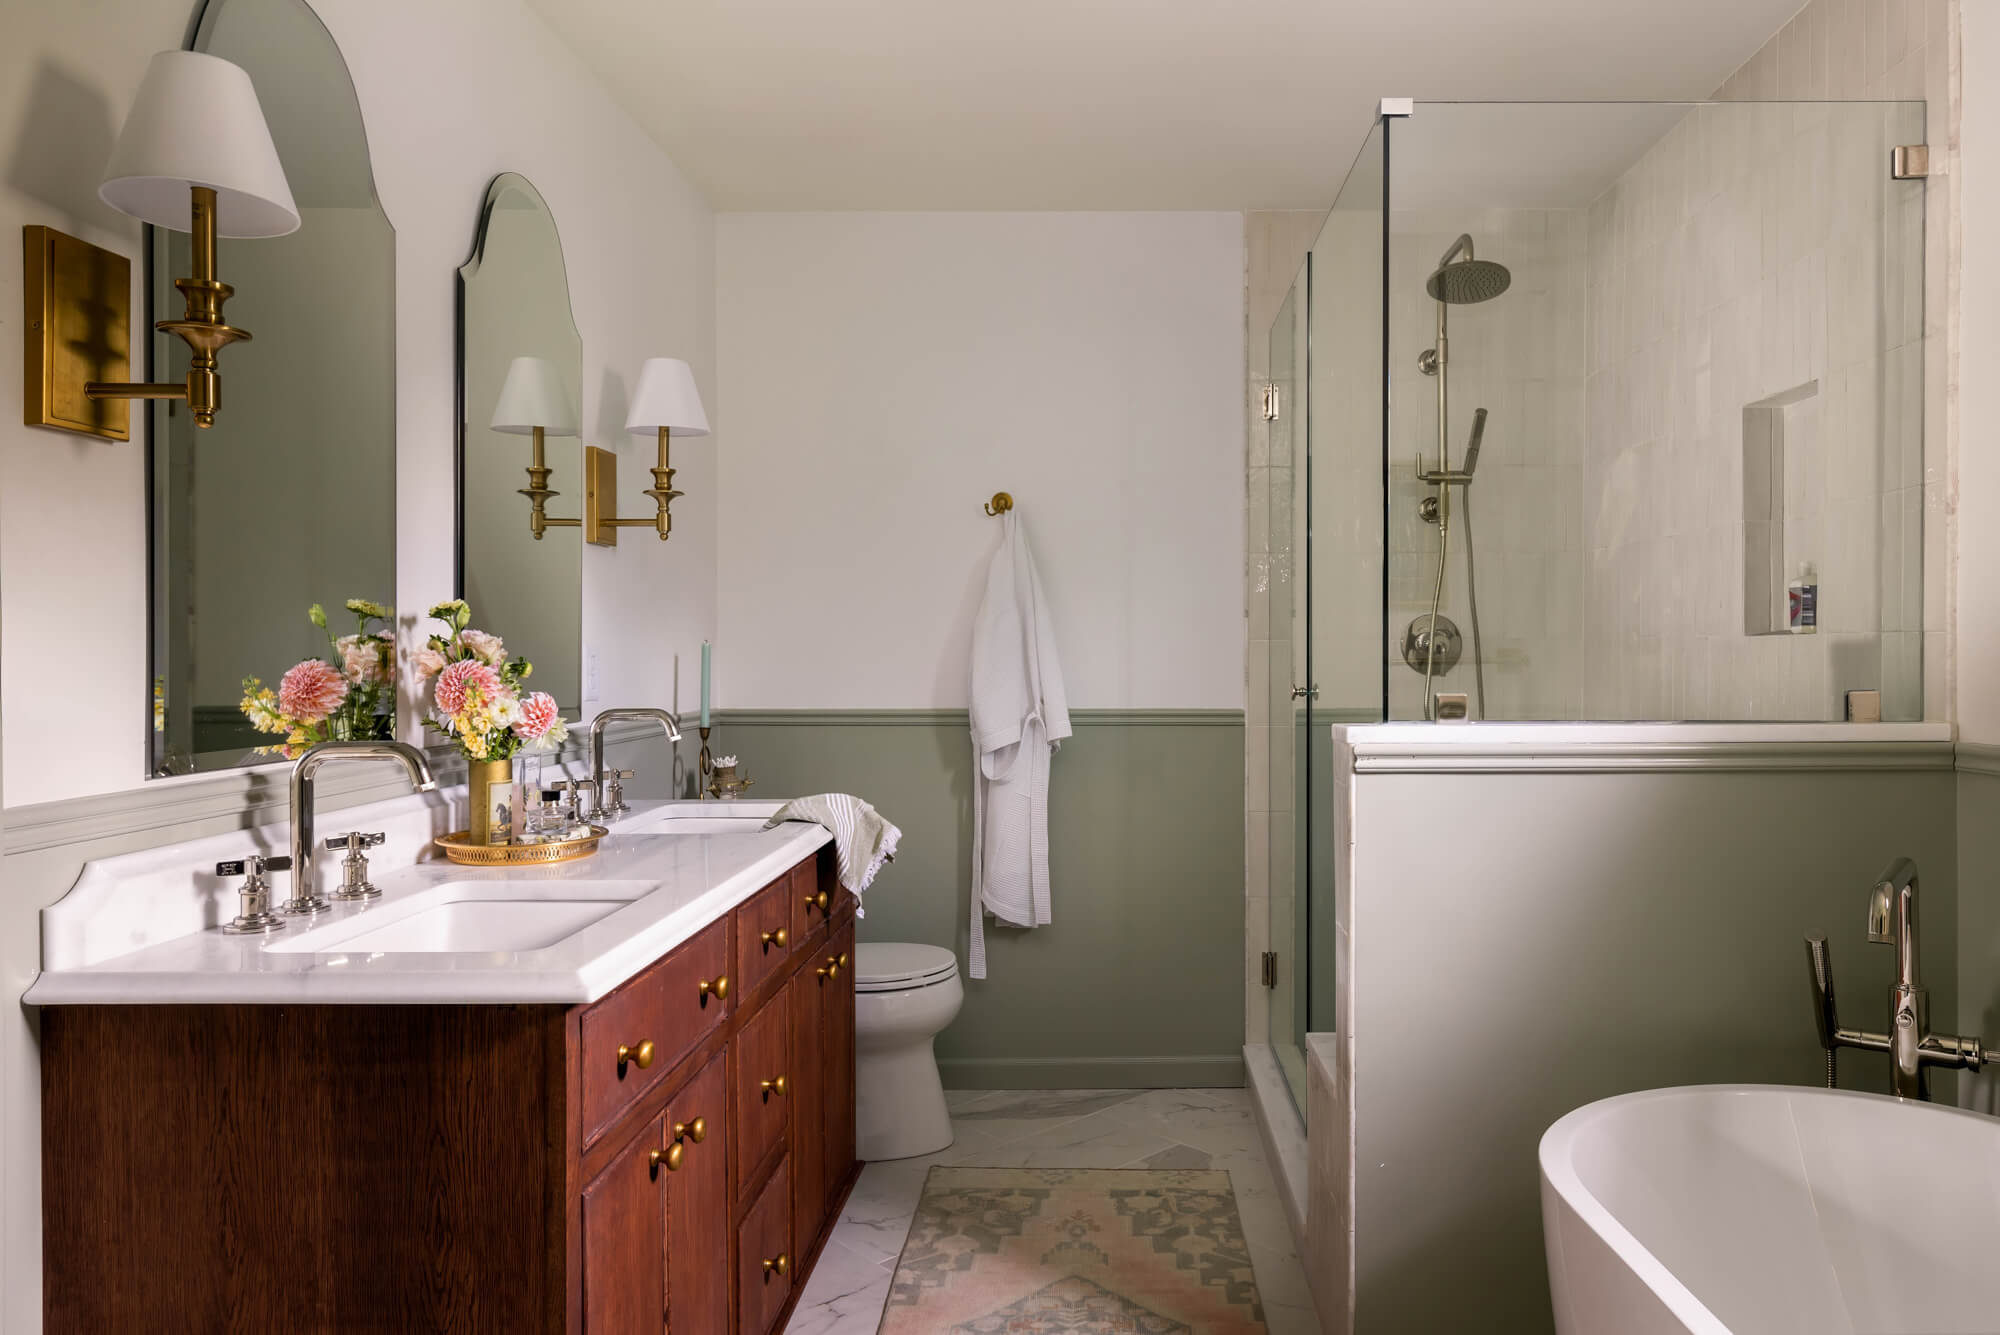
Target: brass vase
488, 785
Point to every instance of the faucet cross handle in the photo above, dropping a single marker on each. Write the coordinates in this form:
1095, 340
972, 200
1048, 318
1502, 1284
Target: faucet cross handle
612, 801
354, 882
253, 916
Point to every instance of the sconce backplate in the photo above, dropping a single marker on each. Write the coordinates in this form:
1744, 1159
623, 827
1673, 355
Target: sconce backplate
77, 310
600, 497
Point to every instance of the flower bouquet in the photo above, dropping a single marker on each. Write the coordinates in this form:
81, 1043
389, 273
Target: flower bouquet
351, 697
477, 701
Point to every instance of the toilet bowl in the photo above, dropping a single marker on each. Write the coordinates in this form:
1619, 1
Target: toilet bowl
904, 996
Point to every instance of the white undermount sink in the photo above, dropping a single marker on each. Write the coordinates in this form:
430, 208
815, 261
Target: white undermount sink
701, 818
470, 917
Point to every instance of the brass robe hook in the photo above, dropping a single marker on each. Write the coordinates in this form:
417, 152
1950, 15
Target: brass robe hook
1000, 504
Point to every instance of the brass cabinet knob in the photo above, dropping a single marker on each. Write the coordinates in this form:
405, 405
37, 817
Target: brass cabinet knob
671, 1156
776, 938
843, 959
776, 1265
640, 1055
696, 1131
833, 966
776, 1086
818, 901
719, 989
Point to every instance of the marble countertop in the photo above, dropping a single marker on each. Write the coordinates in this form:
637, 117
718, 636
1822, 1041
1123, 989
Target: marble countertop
672, 884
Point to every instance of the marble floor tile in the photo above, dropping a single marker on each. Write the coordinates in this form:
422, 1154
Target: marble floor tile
1046, 1104
1065, 1128
845, 1295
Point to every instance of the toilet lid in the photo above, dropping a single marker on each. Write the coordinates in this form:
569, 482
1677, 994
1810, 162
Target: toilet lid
887, 966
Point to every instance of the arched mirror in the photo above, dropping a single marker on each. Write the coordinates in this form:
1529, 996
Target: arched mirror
290, 498
520, 370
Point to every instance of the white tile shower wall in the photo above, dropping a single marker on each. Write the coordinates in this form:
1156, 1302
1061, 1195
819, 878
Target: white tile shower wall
1755, 251
1521, 357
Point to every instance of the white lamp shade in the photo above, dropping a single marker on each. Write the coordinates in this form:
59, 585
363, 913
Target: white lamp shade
196, 121
534, 396
666, 396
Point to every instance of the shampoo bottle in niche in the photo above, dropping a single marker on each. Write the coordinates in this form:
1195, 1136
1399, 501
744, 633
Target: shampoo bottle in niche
1802, 601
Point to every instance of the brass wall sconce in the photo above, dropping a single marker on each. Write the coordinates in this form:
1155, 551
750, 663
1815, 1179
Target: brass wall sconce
534, 402
666, 400
195, 155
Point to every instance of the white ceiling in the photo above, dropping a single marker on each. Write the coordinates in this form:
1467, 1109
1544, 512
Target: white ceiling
1104, 104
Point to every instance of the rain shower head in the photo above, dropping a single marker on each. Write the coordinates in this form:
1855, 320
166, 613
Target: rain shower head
1462, 282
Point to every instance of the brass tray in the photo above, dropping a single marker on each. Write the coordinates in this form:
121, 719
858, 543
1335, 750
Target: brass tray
458, 848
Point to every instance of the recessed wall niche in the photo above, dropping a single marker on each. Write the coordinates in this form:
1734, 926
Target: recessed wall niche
1774, 428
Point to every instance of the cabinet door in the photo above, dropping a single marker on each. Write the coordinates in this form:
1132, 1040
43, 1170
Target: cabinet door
698, 1206
761, 1081
836, 1067
806, 997
624, 1241
764, 1269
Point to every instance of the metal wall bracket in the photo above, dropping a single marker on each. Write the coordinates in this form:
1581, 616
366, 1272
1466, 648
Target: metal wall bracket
77, 301
1910, 162
1270, 968
1270, 403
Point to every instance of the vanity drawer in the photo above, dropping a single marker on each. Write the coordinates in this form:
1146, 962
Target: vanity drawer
764, 1259
812, 903
763, 1086
632, 1038
764, 935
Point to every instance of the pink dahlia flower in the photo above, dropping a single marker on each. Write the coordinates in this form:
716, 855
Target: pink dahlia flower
467, 678
538, 715
311, 691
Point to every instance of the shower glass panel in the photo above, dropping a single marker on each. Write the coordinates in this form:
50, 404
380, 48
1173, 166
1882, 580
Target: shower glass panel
1688, 340
1290, 612
1326, 521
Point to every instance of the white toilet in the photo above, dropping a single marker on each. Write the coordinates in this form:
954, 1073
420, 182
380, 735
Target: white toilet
904, 996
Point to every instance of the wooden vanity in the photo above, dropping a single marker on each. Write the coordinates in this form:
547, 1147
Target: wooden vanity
668, 1157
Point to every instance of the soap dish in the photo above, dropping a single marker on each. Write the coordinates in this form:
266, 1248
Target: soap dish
458, 846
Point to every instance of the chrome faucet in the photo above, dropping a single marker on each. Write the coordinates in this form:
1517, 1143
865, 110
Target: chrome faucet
664, 717
306, 899
1913, 1049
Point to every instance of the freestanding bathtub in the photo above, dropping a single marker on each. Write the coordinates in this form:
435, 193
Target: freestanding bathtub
1746, 1209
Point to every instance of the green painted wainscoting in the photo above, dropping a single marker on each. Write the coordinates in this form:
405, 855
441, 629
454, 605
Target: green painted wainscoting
1139, 979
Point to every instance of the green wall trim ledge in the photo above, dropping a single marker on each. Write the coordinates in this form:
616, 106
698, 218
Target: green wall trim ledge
1138, 981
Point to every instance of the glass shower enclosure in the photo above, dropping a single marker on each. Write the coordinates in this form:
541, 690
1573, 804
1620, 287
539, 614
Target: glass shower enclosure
1593, 412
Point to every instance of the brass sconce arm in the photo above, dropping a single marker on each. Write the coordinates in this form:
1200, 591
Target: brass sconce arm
601, 522
202, 327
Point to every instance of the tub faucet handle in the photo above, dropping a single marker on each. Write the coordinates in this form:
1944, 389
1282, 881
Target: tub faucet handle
1819, 974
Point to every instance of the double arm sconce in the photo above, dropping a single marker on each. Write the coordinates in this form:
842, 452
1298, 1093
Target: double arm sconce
534, 402
195, 155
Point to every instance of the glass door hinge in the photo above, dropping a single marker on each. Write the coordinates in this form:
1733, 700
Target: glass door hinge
1270, 403
1270, 968
1910, 162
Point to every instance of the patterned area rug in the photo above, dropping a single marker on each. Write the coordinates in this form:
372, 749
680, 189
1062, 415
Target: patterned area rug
1061, 1251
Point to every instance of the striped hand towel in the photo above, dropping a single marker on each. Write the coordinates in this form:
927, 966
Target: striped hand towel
862, 839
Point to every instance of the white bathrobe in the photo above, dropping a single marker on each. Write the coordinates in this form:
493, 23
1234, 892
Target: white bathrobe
1019, 713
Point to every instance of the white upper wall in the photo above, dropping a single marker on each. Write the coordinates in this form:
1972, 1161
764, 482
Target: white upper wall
452, 93
885, 373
